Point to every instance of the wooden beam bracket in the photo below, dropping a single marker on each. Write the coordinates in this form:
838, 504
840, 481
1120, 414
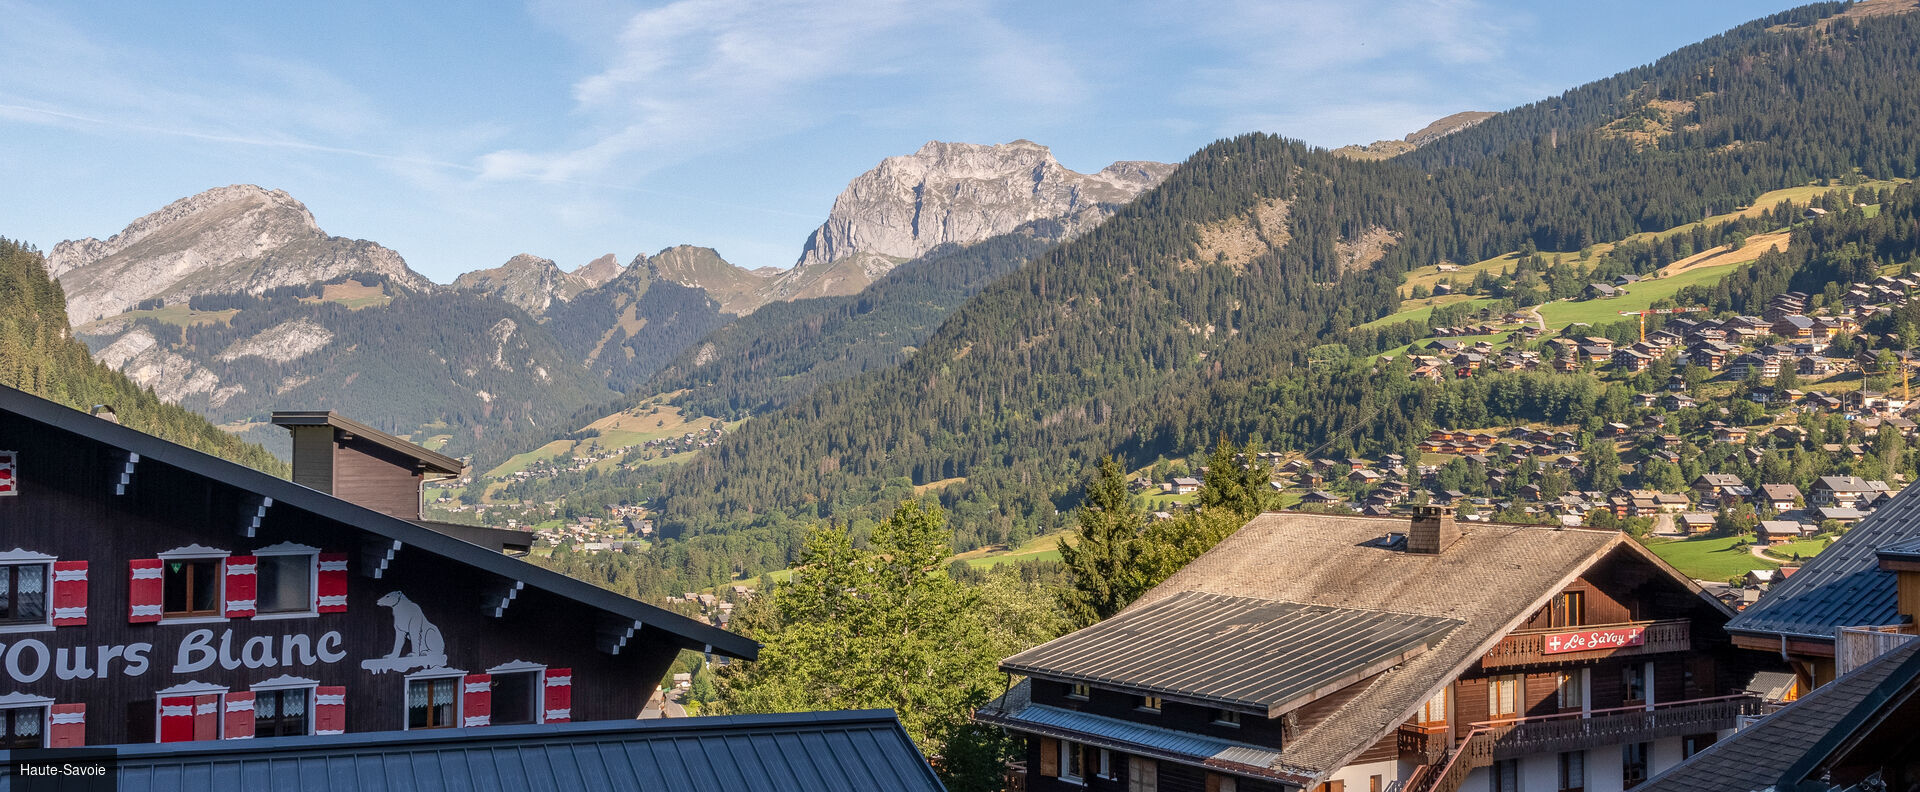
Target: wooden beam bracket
499, 596
125, 479
614, 634
253, 513
376, 554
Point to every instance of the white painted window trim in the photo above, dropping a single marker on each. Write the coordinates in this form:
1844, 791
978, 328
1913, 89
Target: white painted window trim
195, 689
21, 701
539, 683
1067, 749
288, 682
195, 552
22, 557
313, 580
459, 695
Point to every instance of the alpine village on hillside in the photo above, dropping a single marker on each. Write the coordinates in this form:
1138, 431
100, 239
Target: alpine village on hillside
1568, 448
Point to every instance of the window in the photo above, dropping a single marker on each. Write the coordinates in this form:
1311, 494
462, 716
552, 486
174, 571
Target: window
1435, 710
1569, 609
1226, 717
1573, 689
23, 727
23, 594
1505, 775
1633, 680
1695, 743
1151, 703
1079, 690
433, 703
1503, 696
1573, 771
282, 713
1072, 762
1633, 765
515, 698
1143, 775
284, 581
1105, 770
191, 586
1374, 783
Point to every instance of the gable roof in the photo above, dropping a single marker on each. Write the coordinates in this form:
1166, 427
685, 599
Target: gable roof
686, 632
806, 752
1843, 586
1338, 561
1240, 653
1784, 748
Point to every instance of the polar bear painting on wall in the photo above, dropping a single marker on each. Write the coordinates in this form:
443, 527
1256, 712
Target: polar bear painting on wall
422, 643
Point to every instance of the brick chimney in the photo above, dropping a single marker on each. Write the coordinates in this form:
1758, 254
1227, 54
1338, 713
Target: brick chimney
1433, 530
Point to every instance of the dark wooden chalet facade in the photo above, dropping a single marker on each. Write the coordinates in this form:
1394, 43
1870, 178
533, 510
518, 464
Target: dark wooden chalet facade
154, 593
1341, 653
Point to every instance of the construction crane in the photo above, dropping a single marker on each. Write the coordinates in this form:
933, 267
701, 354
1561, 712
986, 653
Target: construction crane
1643, 315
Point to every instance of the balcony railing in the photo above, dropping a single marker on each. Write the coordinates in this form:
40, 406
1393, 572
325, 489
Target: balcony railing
1422, 744
1573, 732
1547, 647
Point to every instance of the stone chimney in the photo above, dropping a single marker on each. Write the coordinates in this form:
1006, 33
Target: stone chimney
1433, 530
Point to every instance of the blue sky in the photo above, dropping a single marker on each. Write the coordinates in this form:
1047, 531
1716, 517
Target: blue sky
461, 134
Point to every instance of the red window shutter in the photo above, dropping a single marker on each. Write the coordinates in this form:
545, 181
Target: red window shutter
559, 684
331, 595
239, 715
176, 719
67, 726
240, 587
9, 483
144, 595
476, 703
69, 593
330, 709
206, 717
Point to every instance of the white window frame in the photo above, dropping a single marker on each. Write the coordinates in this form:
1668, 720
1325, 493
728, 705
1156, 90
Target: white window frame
539, 684
1106, 764
288, 682
195, 552
459, 696
1069, 749
313, 580
194, 689
14, 701
22, 557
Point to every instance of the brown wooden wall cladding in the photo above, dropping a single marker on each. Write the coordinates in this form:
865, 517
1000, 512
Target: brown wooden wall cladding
117, 667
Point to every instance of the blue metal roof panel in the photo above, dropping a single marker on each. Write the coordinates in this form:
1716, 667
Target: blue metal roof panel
1843, 585
864, 751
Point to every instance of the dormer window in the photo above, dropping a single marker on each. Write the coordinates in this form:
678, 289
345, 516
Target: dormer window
1226, 718
1080, 690
1150, 703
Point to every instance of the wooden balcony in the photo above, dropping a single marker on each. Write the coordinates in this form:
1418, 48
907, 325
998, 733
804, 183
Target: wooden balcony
1572, 732
1422, 744
1547, 647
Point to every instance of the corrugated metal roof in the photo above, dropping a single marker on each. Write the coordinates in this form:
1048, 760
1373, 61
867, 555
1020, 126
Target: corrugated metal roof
1241, 653
864, 751
1843, 585
1767, 754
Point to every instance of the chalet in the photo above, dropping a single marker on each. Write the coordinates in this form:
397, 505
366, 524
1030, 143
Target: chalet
1599, 291
1632, 360
1677, 401
1320, 652
1868, 581
1845, 515
1856, 733
1711, 354
1694, 523
1755, 364
1724, 488
1320, 498
1794, 328
1730, 434
1645, 400
1778, 497
195, 599
1676, 383
1185, 485
1776, 532
1846, 491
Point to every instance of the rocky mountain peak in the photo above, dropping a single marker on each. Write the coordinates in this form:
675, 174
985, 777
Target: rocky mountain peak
239, 238
959, 193
526, 281
598, 271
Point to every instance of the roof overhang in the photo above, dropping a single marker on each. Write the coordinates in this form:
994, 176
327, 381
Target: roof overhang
432, 461
692, 634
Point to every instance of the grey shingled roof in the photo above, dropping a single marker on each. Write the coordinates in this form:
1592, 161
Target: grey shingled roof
1333, 560
1762, 755
863, 751
1843, 585
1242, 653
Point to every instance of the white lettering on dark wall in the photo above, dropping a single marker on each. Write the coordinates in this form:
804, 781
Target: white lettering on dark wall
29, 660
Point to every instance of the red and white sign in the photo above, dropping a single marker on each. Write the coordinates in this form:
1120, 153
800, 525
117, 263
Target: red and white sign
1593, 640
9, 484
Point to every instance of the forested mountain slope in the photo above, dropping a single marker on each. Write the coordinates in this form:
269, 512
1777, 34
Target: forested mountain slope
40, 356
1209, 290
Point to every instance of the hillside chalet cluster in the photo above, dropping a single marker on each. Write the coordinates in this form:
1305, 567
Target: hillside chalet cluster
150, 593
